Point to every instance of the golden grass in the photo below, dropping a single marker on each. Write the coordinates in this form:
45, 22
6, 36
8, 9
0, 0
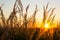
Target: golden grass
19, 27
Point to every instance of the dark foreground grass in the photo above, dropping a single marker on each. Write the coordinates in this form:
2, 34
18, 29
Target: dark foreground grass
18, 33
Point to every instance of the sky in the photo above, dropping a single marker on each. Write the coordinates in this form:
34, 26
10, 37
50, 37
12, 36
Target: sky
8, 6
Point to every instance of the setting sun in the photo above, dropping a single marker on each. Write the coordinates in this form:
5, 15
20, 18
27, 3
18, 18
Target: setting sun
46, 25
29, 19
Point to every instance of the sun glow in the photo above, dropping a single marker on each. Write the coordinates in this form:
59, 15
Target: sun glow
46, 25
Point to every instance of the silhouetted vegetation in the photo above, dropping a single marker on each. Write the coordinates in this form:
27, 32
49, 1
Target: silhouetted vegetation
12, 29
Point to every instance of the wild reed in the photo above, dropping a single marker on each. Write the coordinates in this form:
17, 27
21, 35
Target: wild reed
25, 17
3, 18
18, 31
34, 14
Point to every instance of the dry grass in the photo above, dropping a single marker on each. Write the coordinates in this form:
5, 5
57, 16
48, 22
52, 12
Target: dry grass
15, 30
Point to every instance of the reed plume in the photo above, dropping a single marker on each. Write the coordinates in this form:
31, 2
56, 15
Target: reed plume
25, 16
51, 13
3, 18
34, 14
12, 15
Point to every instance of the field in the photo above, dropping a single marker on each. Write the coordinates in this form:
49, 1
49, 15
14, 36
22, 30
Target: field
27, 28
29, 34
